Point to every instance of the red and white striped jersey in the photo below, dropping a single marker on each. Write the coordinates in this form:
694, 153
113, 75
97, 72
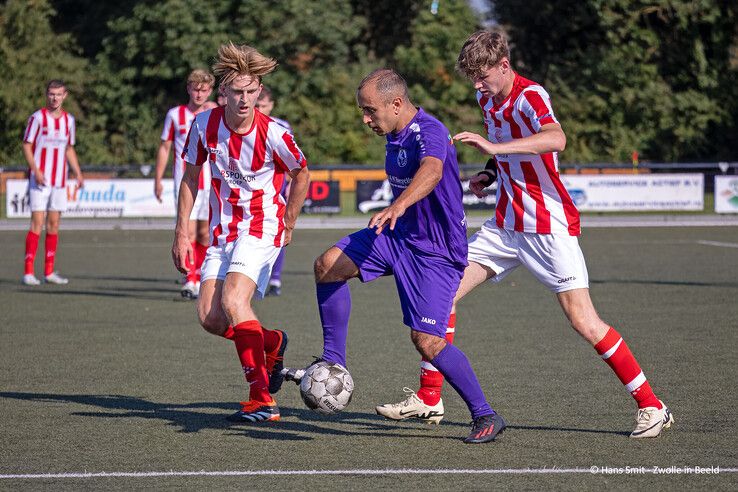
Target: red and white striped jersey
247, 174
176, 127
50, 137
530, 195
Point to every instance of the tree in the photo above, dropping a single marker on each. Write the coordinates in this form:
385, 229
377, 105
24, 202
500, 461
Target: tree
31, 54
632, 75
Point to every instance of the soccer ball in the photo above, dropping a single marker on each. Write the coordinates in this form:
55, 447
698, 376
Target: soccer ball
326, 387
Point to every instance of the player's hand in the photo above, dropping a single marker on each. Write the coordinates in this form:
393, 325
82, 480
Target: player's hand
182, 253
80, 182
477, 141
40, 179
158, 189
477, 185
388, 215
287, 235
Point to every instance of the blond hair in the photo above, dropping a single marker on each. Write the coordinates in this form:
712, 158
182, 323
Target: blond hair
482, 51
235, 61
199, 76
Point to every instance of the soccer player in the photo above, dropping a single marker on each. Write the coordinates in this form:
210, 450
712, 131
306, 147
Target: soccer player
176, 126
249, 156
536, 223
265, 104
420, 239
48, 144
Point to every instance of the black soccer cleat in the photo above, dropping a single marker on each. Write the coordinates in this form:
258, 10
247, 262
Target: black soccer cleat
485, 429
275, 364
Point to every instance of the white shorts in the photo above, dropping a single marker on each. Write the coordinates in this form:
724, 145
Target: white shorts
248, 255
43, 198
555, 260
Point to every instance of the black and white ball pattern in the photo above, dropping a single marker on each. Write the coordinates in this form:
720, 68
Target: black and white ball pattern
326, 387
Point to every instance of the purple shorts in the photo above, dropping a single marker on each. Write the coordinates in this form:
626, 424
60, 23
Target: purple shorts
426, 283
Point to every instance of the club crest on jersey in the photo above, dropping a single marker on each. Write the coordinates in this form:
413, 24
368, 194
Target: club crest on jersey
402, 158
232, 164
498, 134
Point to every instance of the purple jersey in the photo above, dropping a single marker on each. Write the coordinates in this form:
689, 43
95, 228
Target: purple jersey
436, 224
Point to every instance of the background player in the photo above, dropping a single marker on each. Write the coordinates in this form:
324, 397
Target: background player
48, 144
176, 126
536, 223
420, 239
250, 156
265, 104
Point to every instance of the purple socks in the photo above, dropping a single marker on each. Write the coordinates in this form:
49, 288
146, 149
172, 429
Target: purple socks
455, 367
334, 305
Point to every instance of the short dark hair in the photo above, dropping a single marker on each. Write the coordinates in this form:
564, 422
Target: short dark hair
55, 84
388, 82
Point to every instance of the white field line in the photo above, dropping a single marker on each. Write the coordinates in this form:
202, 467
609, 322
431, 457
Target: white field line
402, 471
718, 243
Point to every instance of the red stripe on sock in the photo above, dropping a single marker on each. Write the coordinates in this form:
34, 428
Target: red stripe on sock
31, 248
626, 368
249, 341
50, 243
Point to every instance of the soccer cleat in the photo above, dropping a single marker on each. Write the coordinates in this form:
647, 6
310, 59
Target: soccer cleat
485, 429
293, 374
190, 290
275, 363
55, 278
30, 279
651, 420
412, 407
274, 290
256, 411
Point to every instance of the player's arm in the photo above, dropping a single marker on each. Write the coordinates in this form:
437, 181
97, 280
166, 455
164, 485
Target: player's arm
551, 138
28, 155
484, 178
71, 155
182, 253
429, 174
299, 181
162, 156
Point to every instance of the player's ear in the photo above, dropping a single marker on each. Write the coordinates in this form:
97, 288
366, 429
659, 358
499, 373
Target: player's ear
397, 104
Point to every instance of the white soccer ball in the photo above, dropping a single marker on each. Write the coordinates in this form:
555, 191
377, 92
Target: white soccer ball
326, 387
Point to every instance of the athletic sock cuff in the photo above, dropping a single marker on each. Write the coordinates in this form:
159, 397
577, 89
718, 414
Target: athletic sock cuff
608, 341
250, 326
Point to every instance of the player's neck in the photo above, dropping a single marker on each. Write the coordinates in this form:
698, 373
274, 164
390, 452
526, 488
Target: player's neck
237, 123
406, 116
55, 113
194, 108
500, 97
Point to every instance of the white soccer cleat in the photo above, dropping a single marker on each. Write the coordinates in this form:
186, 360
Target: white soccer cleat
651, 420
412, 407
190, 290
30, 279
55, 278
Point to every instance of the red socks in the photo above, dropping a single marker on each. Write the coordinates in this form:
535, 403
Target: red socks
431, 380
50, 243
249, 341
31, 248
271, 340
617, 355
200, 251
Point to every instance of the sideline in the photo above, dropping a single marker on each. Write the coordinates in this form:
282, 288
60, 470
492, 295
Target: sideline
402, 471
308, 222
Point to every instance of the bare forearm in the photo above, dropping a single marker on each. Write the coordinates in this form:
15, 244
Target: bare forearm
28, 155
186, 199
296, 197
538, 143
162, 156
74, 162
427, 177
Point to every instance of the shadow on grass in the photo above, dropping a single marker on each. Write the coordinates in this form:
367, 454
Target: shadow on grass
188, 419
162, 294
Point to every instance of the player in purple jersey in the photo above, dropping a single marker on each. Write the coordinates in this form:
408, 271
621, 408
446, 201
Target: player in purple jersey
420, 239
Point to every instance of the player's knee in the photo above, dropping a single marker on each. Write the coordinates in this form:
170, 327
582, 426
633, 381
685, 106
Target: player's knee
590, 328
429, 346
321, 267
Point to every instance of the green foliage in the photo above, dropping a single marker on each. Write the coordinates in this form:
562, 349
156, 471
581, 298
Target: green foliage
632, 75
655, 76
31, 54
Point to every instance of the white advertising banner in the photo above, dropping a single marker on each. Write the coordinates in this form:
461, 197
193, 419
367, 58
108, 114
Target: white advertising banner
726, 194
635, 192
100, 198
